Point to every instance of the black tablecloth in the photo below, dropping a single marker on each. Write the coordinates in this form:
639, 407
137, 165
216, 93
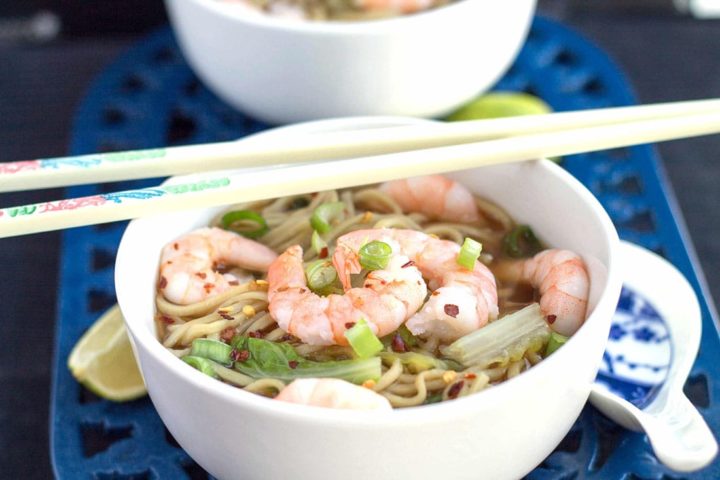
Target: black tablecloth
666, 57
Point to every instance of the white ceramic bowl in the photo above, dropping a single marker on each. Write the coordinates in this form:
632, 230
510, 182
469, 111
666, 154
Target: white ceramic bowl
500, 433
283, 71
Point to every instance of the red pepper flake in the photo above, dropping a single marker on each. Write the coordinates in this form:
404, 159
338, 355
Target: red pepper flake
551, 319
227, 334
240, 355
293, 364
176, 246
454, 391
256, 334
408, 264
398, 344
226, 316
208, 287
166, 319
470, 376
163, 283
234, 283
323, 252
201, 275
349, 325
451, 310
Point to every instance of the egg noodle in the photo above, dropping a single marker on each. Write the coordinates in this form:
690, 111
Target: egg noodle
243, 309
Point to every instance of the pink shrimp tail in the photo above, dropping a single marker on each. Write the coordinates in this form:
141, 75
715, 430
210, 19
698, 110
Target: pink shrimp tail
346, 263
435, 196
332, 393
564, 285
284, 273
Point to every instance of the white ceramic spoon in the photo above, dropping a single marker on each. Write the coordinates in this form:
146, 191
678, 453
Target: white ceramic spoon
677, 432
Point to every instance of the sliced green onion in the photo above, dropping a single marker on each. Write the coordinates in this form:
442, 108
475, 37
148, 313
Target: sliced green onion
212, 350
324, 214
521, 242
202, 364
469, 253
375, 255
321, 277
299, 202
434, 398
407, 336
502, 341
362, 339
245, 222
556, 341
318, 244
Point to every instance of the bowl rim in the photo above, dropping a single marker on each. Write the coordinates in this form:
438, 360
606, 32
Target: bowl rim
438, 412
339, 27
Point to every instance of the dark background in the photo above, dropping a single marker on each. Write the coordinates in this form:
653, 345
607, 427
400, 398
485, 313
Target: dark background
667, 56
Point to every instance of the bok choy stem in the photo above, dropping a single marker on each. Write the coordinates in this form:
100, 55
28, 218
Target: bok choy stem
504, 340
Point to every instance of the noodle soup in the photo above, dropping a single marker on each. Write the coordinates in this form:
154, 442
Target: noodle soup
356, 10
257, 438
496, 312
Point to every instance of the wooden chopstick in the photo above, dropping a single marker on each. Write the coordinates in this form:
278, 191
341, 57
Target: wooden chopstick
299, 148
200, 191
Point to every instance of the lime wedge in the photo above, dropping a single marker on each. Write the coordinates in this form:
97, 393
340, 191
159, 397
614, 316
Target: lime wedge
103, 361
501, 104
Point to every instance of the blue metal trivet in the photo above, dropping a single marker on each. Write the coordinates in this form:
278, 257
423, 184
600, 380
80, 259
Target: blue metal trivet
150, 98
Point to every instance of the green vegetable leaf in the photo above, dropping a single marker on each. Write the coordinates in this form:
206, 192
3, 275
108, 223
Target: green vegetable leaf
281, 361
212, 350
202, 364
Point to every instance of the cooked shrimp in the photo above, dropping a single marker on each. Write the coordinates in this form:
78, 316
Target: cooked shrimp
461, 301
332, 393
562, 280
189, 265
436, 196
389, 297
404, 6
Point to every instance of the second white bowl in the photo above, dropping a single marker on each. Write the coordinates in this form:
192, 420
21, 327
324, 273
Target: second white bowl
283, 71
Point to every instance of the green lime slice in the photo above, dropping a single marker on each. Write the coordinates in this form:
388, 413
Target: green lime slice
501, 104
103, 360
